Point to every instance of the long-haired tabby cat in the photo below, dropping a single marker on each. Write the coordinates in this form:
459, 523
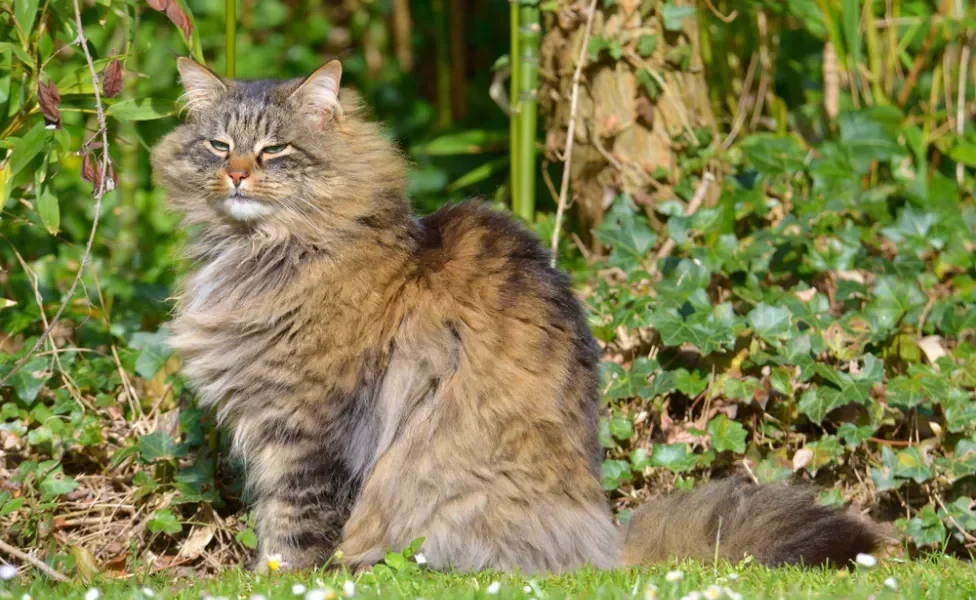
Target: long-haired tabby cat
388, 378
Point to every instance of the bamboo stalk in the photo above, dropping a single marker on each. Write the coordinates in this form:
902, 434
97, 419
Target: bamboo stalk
230, 38
529, 32
513, 54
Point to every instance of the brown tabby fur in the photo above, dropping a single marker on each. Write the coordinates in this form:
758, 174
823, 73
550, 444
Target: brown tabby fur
388, 378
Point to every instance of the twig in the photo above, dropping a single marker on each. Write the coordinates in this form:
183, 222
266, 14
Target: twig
740, 114
910, 80
725, 19
696, 201
100, 189
39, 564
571, 131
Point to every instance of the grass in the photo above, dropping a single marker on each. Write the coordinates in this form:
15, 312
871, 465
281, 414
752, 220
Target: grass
936, 577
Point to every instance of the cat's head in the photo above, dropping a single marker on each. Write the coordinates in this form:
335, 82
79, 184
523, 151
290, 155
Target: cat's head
285, 158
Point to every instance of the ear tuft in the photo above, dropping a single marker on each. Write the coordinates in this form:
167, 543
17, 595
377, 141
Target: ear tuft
318, 95
202, 86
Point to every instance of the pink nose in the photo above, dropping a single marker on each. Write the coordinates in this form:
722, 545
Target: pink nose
237, 175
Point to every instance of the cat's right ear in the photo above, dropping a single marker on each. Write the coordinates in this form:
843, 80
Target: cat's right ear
202, 86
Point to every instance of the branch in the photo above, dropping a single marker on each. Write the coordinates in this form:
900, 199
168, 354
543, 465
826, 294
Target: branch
668, 246
102, 185
571, 131
39, 564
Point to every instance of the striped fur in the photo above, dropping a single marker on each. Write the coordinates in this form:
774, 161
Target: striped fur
386, 377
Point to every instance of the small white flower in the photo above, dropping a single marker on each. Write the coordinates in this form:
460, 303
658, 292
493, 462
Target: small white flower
147, 592
712, 592
26, 597
493, 588
733, 576
7, 572
891, 584
732, 594
298, 589
320, 594
420, 558
650, 592
527, 589
258, 597
692, 596
93, 594
274, 562
674, 576
349, 589
866, 560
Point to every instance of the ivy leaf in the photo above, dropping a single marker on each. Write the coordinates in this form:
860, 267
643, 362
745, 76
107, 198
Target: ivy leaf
911, 464
672, 16
164, 521
675, 457
153, 351
30, 379
727, 435
675, 330
615, 472
646, 45
924, 529
158, 445
621, 428
771, 323
55, 483
773, 154
870, 134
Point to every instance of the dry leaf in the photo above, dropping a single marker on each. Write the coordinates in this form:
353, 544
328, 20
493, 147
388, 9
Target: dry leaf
112, 79
802, 458
197, 541
175, 14
87, 170
933, 348
48, 98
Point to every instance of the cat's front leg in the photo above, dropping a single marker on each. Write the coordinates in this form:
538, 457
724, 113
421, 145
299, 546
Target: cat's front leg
302, 497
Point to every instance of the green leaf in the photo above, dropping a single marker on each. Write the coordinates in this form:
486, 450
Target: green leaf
48, 210
247, 538
627, 232
870, 134
675, 457
30, 379
470, 141
646, 45
773, 154
911, 464
771, 323
851, 23
621, 428
727, 435
675, 330
154, 352
924, 529
25, 11
964, 152
158, 445
28, 147
884, 476
478, 174
672, 16
615, 472
18, 51
55, 483
164, 521
141, 109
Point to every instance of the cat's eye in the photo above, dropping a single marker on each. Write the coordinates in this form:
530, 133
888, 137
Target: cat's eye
278, 149
220, 146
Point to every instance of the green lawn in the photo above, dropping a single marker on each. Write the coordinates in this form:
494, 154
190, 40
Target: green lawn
932, 578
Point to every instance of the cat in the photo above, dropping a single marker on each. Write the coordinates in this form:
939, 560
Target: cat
388, 377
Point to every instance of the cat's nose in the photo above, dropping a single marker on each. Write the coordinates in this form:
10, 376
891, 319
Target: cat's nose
237, 175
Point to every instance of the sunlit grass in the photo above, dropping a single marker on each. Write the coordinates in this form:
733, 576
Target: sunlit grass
936, 577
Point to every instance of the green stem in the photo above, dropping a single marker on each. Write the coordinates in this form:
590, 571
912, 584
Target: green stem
529, 33
513, 59
230, 38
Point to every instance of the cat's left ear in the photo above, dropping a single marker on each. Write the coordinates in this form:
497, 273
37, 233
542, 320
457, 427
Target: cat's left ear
318, 95
203, 87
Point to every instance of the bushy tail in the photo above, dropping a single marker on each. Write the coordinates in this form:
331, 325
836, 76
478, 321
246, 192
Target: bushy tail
775, 524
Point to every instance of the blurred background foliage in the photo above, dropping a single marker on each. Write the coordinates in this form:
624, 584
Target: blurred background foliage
769, 214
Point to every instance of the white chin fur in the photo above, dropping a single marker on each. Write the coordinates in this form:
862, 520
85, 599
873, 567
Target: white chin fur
244, 209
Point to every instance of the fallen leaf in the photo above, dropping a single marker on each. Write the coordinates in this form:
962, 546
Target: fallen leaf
802, 458
197, 541
933, 348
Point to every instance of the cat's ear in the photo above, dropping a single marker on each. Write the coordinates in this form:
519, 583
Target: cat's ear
318, 95
202, 86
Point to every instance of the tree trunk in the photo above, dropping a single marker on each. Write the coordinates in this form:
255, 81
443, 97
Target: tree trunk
630, 128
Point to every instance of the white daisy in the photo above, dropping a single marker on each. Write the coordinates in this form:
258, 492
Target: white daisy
7, 572
891, 584
298, 589
674, 576
866, 560
93, 594
349, 589
493, 588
